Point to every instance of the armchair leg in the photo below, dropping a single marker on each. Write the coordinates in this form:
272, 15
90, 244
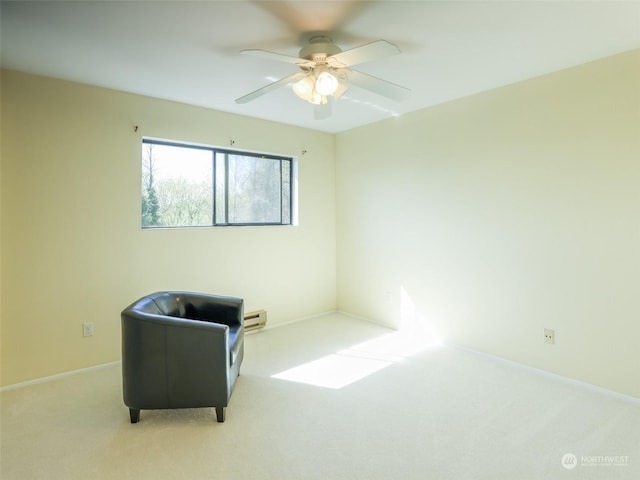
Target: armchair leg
220, 414
134, 413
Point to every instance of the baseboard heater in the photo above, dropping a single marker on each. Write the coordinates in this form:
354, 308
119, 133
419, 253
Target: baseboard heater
255, 320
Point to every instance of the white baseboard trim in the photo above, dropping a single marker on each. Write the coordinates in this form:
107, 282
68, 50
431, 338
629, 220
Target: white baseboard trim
58, 376
317, 315
595, 388
289, 322
545, 373
365, 319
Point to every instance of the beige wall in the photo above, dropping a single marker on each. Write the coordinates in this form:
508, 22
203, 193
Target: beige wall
72, 246
487, 219
492, 217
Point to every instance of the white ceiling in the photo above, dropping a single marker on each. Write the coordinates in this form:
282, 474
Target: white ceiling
189, 51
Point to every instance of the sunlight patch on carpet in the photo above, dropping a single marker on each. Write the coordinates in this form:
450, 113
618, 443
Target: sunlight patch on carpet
357, 362
333, 371
349, 365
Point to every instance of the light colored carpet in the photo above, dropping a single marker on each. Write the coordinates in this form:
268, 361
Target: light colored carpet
439, 413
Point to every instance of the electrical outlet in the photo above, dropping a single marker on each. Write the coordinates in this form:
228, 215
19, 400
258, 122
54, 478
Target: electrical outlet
549, 336
87, 329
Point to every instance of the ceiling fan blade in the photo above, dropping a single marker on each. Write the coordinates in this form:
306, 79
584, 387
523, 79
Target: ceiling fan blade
279, 57
322, 111
364, 53
379, 86
268, 88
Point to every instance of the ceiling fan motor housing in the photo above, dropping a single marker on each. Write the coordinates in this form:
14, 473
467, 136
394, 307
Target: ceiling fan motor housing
319, 49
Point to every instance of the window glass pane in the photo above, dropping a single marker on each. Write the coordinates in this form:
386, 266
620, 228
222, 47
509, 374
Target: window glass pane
286, 191
196, 185
176, 186
254, 190
221, 190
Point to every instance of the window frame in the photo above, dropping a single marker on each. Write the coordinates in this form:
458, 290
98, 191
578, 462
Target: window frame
226, 152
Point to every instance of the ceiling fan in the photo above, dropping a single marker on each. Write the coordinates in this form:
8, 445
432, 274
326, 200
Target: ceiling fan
325, 73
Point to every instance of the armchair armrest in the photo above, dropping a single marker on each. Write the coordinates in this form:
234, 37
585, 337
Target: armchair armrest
176, 356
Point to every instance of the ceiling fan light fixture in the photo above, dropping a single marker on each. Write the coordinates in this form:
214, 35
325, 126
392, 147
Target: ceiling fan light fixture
305, 88
317, 99
326, 83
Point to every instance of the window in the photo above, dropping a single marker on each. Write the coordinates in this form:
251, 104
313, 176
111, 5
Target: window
194, 186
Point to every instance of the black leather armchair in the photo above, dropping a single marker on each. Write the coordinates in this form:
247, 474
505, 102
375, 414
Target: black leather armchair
181, 350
